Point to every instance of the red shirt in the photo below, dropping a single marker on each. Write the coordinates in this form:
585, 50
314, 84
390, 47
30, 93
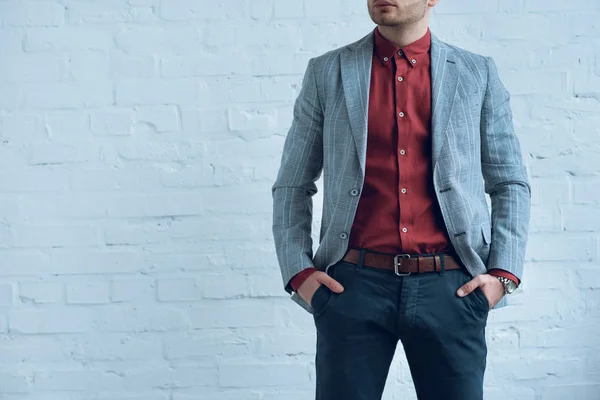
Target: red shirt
398, 211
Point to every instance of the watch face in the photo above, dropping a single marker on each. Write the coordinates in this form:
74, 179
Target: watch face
511, 287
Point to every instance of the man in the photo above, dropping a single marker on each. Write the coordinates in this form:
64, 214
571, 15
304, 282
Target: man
410, 133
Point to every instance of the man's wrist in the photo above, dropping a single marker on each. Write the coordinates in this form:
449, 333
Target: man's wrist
300, 277
505, 274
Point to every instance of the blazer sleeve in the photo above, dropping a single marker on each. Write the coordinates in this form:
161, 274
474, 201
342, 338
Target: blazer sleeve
301, 166
505, 178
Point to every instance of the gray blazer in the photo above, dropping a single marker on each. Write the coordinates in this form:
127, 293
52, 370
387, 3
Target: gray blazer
475, 151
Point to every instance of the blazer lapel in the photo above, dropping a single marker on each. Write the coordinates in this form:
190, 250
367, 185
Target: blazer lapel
356, 62
444, 84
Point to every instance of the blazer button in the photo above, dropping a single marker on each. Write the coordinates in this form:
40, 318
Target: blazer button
344, 235
354, 192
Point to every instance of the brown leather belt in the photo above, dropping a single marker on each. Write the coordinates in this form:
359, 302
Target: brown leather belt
404, 264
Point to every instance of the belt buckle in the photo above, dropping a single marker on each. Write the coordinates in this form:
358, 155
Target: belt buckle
396, 264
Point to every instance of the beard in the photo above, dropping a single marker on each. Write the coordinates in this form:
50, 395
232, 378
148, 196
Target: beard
402, 15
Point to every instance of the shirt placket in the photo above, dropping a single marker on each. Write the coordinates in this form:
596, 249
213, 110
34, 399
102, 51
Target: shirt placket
403, 151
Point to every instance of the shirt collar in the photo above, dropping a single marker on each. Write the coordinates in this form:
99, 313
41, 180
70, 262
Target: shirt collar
386, 50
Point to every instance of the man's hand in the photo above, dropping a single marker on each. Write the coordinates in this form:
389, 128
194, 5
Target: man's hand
491, 287
312, 283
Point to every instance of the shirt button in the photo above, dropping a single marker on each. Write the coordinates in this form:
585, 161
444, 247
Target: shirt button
354, 192
401, 115
403, 190
400, 79
344, 235
402, 152
404, 230
414, 61
400, 53
385, 58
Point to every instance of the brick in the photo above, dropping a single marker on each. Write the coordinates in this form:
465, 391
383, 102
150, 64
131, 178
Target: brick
196, 121
466, 7
39, 236
127, 66
115, 179
57, 154
31, 13
178, 66
12, 40
229, 315
41, 292
14, 383
261, 9
204, 343
286, 9
579, 391
157, 93
530, 368
80, 380
67, 38
549, 219
529, 82
89, 65
34, 349
164, 40
556, 5
33, 179
177, 377
158, 118
182, 10
547, 191
111, 11
7, 294
559, 247
119, 318
66, 95
112, 122
182, 289
49, 321
588, 276
68, 125
132, 289
213, 288
88, 292
16, 126
581, 218
249, 375
511, 6
32, 67
212, 394
174, 204
115, 347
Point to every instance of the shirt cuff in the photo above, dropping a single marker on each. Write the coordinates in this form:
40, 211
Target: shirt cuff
504, 274
300, 277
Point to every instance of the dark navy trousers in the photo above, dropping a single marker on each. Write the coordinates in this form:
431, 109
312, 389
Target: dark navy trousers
443, 335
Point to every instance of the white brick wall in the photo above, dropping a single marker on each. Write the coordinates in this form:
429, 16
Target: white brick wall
138, 143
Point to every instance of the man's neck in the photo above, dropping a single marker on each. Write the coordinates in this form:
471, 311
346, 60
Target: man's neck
404, 35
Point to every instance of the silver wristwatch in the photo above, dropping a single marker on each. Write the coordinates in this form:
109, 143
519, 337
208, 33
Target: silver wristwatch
509, 285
